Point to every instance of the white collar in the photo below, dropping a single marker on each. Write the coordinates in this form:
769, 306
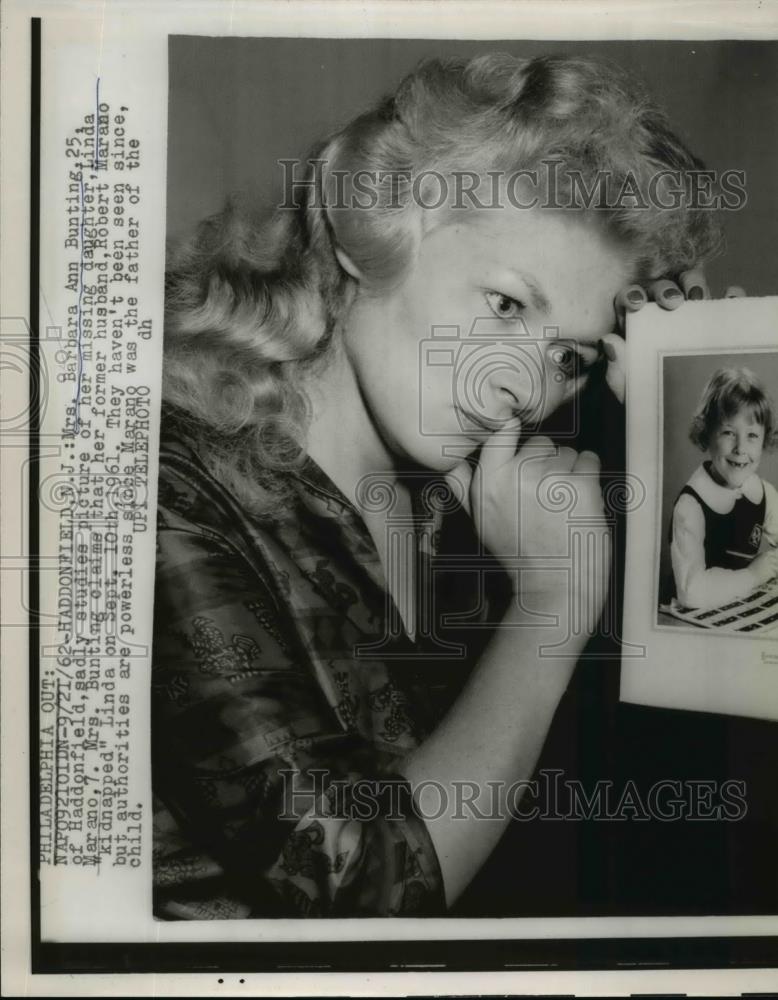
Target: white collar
722, 499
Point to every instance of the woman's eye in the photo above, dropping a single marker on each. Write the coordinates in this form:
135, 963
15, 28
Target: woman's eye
503, 305
568, 361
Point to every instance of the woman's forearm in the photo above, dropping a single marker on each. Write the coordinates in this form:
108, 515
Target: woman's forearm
493, 733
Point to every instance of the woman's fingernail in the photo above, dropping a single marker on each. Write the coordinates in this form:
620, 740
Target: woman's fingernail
635, 297
673, 293
696, 293
608, 350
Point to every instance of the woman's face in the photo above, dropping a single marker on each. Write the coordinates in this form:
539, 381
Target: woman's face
500, 315
735, 449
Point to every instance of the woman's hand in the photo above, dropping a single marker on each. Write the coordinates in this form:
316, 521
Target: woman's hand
691, 286
531, 505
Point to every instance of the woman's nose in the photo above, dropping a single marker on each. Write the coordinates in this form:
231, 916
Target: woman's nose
516, 386
512, 395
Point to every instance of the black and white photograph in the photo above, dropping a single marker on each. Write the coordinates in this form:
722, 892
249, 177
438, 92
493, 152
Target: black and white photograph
719, 562
700, 555
390, 469
393, 390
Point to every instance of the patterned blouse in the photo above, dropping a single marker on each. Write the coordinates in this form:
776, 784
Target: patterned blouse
285, 691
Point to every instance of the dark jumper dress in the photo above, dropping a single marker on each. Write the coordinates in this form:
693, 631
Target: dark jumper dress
732, 540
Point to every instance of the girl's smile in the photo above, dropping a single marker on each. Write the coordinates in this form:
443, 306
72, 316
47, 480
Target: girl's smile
736, 449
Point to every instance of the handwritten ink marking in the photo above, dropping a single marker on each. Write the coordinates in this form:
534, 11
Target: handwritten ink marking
96, 161
96, 165
79, 330
55, 819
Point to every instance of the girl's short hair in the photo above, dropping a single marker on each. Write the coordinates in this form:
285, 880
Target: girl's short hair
250, 300
728, 391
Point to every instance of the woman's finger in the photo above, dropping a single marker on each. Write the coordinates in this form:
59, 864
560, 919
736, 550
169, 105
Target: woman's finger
459, 480
588, 463
735, 292
539, 444
500, 447
614, 348
564, 460
693, 284
538, 448
665, 293
629, 300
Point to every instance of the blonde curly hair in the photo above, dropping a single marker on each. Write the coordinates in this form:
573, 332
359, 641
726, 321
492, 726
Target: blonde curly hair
251, 300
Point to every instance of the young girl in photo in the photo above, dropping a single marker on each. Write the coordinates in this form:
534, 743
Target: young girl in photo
725, 521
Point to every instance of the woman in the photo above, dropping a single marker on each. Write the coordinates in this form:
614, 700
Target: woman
348, 456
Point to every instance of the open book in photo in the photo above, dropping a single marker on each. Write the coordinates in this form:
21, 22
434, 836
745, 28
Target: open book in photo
755, 613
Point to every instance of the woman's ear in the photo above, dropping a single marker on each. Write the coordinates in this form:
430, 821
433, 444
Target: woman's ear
347, 263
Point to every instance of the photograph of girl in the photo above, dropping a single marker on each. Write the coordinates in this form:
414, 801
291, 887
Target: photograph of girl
308, 719
723, 531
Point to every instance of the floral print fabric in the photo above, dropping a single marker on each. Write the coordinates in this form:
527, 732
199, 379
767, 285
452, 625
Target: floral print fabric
280, 690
